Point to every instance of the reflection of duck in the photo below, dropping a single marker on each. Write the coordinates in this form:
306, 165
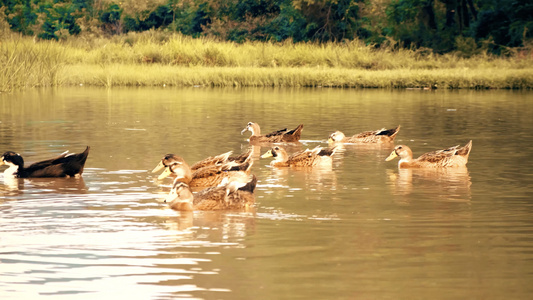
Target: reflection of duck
65, 165
451, 183
229, 195
304, 158
452, 157
376, 136
283, 135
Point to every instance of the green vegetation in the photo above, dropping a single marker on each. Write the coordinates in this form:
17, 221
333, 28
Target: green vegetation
466, 26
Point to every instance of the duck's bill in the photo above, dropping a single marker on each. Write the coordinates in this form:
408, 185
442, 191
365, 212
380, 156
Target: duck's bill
158, 168
267, 154
244, 130
330, 140
2, 163
165, 174
392, 156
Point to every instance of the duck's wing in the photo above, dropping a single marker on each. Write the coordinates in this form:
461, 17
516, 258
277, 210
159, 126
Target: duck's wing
46, 163
388, 132
234, 166
212, 160
438, 156
278, 133
303, 158
296, 132
242, 157
60, 166
327, 151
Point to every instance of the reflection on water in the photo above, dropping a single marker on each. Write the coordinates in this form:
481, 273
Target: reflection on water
451, 184
398, 233
14, 186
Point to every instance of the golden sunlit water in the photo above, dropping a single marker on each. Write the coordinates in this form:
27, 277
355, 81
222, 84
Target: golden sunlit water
362, 229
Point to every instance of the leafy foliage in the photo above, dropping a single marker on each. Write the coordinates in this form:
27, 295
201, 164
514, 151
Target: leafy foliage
467, 26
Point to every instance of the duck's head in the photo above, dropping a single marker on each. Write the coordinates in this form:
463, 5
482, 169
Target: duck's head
11, 159
401, 151
337, 136
253, 127
180, 169
180, 196
277, 152
166, 161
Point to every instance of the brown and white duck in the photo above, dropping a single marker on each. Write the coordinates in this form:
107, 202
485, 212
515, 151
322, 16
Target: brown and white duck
456, 156
281, 136
233, 193
305, 158
367, 137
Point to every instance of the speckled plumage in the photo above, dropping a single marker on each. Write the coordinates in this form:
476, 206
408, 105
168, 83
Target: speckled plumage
456, 156
279, 136
233, 194
367, 137
304, 158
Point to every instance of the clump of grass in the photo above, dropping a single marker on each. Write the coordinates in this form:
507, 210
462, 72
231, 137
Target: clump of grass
25, 64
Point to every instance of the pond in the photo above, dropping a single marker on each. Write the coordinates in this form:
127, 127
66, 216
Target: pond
362, 229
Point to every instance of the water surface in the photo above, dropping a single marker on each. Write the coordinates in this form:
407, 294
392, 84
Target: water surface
360, 230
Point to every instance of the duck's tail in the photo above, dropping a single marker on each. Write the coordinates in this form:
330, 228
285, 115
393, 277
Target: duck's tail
250, 186
82, 158
390, 132
465, 151
297, 132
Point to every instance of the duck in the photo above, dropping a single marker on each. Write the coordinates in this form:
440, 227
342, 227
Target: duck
367, 137
456, 156
231, 194
280, 136
64, 165
207, 176
171, 158
305, 158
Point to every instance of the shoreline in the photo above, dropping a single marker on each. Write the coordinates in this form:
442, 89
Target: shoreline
122, 75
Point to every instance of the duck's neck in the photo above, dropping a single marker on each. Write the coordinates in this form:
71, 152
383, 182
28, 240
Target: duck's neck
183, 175
406, 159
280, 157
255, 129
179, 204
11, 171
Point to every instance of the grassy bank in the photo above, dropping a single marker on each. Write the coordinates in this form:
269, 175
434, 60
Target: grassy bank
153, 59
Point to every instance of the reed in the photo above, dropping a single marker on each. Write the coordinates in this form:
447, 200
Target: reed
24, 64
157, 59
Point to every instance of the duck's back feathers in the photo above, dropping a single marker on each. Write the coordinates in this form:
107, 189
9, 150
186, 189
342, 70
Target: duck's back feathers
213, 175
287, 135
451, 157
212, 160
377, 136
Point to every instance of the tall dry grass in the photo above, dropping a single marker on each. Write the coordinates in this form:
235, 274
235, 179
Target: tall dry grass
24, 64
156, 58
